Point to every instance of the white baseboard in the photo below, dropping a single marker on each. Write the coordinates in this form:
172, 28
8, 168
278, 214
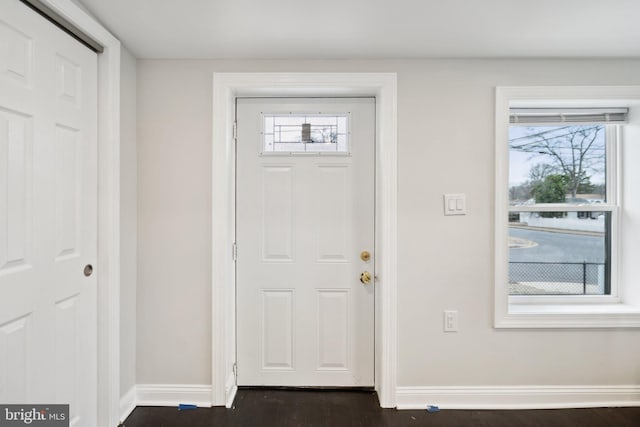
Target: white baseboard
526, 397
173, 394
127, 403
230, 390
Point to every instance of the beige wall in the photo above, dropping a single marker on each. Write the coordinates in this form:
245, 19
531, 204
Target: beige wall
128, 221
445, 134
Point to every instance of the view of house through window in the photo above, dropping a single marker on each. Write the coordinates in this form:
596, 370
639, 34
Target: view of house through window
560, 215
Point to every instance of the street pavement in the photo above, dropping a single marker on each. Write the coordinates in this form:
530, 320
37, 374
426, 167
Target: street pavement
554, 262
557, 247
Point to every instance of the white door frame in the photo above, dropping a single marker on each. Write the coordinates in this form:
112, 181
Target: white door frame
108, 269
228, 86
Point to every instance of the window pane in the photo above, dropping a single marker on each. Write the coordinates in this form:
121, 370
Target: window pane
557, 164
564, 254
290, 134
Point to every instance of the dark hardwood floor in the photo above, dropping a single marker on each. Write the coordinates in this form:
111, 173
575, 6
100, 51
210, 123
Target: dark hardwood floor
284, 408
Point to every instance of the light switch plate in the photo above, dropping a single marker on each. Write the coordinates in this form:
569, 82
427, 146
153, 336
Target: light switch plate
455, 204
450, 321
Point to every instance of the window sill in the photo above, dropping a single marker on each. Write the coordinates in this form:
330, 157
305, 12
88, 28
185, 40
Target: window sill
569, 316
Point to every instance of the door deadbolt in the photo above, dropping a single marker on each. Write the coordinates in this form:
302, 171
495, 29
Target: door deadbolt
88, 270
365, 256
365, 277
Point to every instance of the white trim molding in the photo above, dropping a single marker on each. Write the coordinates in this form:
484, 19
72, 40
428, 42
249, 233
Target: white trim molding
515, 397
173, 395
128, 403
228, 86
108, 269
230, 390
618, 310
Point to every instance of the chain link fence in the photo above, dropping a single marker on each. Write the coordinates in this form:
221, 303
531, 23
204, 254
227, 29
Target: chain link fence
556, 278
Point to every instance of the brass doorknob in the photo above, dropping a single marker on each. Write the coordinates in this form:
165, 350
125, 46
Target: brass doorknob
365, 277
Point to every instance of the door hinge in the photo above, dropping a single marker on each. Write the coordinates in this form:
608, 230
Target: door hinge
235, 131
235, 370
234, 251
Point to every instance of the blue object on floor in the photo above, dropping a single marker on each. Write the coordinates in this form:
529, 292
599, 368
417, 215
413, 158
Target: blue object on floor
185, 406
432, 408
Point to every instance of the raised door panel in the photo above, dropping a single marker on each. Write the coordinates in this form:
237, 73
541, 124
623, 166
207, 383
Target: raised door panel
277, 214
68, 81
332, 318
277, 325
16, 55
67, 353
67, 197
15, 190
15, 337
332, 213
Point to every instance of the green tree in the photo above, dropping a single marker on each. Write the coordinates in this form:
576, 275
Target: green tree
553, 189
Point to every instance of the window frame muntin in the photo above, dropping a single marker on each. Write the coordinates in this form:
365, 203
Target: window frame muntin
304, 113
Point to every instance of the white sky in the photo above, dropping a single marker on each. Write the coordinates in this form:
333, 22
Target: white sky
520, 163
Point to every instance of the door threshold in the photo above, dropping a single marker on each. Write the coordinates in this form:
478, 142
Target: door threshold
307, 388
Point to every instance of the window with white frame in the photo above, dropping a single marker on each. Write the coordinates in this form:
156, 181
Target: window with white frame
560, 216
562, 200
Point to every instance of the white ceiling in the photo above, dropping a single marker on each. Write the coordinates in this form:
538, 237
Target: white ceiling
322, 29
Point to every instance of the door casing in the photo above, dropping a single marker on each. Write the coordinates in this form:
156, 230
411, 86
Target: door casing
228, 86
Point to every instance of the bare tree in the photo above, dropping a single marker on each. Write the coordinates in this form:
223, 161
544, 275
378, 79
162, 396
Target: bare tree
540, 171
575, 151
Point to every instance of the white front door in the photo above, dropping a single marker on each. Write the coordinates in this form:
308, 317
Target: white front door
48, 186
305, 218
